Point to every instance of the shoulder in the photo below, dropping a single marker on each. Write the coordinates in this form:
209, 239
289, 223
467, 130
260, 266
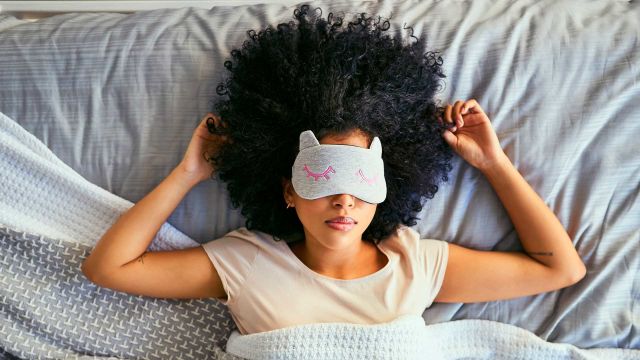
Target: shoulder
244, 233
241, 238
407, 239
412, 235
404, 235
404, 240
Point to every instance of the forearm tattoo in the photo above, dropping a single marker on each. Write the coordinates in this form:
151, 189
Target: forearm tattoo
549, 253
140, 259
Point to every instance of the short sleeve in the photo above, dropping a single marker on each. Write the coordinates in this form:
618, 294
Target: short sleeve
233, 256
435, 254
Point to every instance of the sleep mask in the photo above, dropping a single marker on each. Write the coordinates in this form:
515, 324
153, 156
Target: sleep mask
327, 169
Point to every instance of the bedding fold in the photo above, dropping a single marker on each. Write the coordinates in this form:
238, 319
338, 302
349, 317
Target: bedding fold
41, 194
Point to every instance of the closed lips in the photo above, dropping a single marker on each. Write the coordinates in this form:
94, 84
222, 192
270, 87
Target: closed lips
342, 220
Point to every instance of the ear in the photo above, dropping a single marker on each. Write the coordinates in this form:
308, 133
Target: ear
376, 146
287, 190
308, 139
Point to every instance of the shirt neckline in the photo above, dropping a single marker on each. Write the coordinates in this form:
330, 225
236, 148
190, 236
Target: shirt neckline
308, 270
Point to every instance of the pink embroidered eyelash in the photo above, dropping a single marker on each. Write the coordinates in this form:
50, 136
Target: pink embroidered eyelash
325, 175
369, 181
319, 175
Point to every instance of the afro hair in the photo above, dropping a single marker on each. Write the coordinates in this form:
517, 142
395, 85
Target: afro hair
316, 74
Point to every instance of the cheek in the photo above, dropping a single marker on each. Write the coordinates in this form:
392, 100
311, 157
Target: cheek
371, 212
311, 207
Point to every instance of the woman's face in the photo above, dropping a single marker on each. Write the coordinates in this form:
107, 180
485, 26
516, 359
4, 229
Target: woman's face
314, 214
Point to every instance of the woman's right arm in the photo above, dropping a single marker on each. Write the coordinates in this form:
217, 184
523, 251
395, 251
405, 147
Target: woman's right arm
119, 260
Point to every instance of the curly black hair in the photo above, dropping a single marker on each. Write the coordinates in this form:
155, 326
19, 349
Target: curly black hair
316, 74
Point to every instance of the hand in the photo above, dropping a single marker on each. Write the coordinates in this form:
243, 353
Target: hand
472, 136
204, 145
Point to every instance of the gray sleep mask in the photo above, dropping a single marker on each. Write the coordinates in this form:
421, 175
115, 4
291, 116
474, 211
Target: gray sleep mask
323, 170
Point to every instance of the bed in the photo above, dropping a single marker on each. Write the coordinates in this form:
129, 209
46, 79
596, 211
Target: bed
112, 100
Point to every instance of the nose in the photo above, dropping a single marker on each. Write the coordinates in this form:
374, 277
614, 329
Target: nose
343, 200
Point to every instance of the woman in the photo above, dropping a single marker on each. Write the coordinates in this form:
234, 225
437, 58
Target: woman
345, 256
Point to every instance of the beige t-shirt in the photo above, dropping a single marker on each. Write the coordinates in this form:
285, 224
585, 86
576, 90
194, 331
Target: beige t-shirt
269, 288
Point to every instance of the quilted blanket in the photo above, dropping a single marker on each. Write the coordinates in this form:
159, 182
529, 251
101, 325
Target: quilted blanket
407, 337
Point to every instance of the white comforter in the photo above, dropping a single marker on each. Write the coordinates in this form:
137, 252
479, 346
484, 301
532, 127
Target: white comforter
407, 337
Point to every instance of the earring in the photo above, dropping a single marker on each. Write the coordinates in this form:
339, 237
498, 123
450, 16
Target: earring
288, 205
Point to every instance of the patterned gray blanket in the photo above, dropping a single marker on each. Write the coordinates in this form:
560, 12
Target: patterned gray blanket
49, 310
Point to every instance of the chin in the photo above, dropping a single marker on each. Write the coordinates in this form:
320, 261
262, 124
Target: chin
341, 235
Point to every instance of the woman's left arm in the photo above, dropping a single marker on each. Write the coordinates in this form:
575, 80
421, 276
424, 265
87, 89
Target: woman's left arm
550, 260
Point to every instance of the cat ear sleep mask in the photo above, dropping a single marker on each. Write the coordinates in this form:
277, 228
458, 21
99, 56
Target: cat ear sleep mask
323, 170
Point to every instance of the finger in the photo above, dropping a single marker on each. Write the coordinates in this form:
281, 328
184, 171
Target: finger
212, 117
440, 118
449, 125
456, 113
464, 109
447, 117
450, 138
213, 123
210, 124
218, 124
472, 106
447, 113
219, 121
208, 116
